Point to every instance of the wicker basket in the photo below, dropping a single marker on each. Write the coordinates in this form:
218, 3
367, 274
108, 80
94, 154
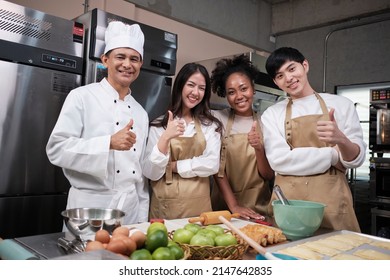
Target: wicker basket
232, 252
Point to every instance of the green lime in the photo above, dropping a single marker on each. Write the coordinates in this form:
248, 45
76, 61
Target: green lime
172, 243
155, 239
177, 252
156, 225
163, 253
141, 254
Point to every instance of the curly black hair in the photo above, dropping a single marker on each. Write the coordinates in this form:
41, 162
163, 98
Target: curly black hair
227, 66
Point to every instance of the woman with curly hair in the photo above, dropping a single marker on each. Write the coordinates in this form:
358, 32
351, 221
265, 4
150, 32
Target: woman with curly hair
183, 148
244, 169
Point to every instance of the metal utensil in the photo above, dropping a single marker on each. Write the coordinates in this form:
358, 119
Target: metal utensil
260, 249
280, 195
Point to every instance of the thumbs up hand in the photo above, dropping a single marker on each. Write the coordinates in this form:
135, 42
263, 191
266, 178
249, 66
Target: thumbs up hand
174, 128
255, 137
328, 131
124, 139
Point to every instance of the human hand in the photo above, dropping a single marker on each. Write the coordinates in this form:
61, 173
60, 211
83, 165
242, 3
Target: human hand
339, 165
255, 136
174, 128
328, 131
246, 213
124, 139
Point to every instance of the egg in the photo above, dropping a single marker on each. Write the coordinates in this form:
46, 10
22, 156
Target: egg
139, 237
102, 235
117, 246
130, 244
121, 230
93, 246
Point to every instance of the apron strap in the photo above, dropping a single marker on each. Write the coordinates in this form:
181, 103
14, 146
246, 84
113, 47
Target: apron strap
287, 123
224, 144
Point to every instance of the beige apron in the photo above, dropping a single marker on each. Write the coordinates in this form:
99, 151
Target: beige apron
331, 187
238, 160
176, 197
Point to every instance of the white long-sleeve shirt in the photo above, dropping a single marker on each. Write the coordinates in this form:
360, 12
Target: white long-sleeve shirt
80, 144
309, 160
204, 165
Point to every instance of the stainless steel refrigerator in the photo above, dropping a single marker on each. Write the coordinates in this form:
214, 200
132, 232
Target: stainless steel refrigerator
41, 60
152, 89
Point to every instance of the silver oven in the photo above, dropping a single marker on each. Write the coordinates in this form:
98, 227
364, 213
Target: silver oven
379, 138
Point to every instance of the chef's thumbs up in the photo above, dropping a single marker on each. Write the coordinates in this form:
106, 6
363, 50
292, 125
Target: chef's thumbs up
129, 126
331, 115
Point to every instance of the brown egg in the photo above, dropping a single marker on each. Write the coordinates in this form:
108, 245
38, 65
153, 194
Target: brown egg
93, 246
117, 246
130, 244
139, 237
121, 230
102, 236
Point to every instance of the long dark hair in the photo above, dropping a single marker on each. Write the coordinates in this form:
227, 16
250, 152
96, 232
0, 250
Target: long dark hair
202, 110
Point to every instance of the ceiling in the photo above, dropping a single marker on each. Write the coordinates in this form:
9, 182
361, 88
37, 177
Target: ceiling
272, 2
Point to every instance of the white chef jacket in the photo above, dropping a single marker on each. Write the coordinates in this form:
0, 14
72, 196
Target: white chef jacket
309, 160
80, 144
204, 165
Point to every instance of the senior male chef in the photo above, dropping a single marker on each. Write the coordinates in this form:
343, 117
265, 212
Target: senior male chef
100, 136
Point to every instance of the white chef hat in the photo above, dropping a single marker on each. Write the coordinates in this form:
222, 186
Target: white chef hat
120, 35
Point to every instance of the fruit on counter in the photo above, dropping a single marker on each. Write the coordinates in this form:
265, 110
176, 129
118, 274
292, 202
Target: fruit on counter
225, 239
141, 254
163, 253
201, 240
156, 225
207, 232
177, 251
182, 235
216, 228
193, 227
211, 235
155, 239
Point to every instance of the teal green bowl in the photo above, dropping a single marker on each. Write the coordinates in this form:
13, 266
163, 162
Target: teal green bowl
300, 219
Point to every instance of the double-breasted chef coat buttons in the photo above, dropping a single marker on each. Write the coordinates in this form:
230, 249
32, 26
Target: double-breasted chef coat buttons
118, 171
114, 101
117, 123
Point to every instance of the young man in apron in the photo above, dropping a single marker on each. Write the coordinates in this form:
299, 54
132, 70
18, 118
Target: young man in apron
311, 139
183, 149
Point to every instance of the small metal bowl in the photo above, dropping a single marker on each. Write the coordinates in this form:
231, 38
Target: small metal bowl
83, 223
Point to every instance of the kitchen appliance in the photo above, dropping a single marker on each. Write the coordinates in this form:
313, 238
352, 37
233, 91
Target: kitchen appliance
379, 141
267, 92
379, 144
152, 88
41, 60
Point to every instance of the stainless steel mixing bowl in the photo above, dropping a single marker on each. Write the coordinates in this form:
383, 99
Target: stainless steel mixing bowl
83, 223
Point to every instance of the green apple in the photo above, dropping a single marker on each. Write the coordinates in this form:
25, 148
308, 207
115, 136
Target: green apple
156, 225
225, 239
207, 232
216, 228
200, 239
193, 227
182, 235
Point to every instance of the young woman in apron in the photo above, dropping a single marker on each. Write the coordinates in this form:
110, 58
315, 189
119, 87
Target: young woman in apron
183, 149
310, 148
241, 184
